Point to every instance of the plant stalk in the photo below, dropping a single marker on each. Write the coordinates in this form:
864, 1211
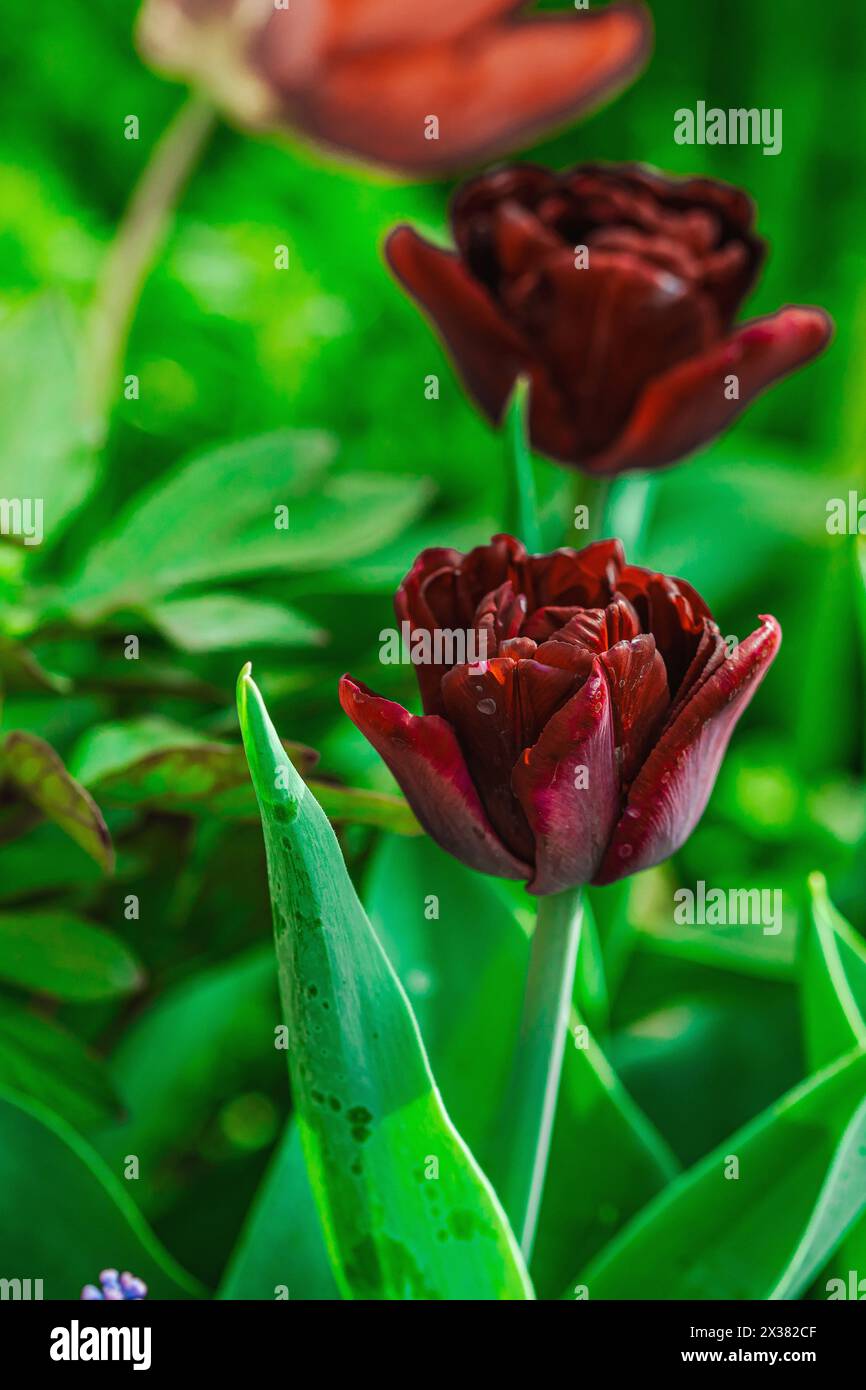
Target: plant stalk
142, 230
532, 1096
628, 512
523, 501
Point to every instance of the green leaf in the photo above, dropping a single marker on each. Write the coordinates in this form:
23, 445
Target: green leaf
373, 1126
44, 453
823, 744
215, 519
159, 765
55, 953
590, 985
282, 1242
154, 763
841, 1201
358, 806
720, 494
37, 774
224, 622
710, 1235
200, 1044
20, 670
40, 1059
43, 861
735, 946
833, 981
464, 969
65, 1215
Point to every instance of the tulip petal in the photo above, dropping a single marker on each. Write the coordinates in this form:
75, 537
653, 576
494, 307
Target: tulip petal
668, 797
488, 353
687, 406
497, 708
359, 25
601, 332
491, 89
572, 816
584, 578
425, 758
639, 696
427, 600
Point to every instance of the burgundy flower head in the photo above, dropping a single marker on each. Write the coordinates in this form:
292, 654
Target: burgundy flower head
367, 76
585, 746
614, 290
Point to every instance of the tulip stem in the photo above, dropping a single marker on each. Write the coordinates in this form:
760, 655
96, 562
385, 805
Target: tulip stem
532, 1096
524, 502
141, 233
628, 512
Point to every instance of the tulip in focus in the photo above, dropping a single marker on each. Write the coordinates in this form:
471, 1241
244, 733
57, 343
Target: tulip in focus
423, 88
585, 747
614, 289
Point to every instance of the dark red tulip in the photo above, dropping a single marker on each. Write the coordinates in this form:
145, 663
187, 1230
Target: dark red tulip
366, 76
586, 745
629, 344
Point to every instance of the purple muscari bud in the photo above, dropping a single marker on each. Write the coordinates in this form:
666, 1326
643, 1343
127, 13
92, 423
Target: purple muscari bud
132, 1286
114, 1287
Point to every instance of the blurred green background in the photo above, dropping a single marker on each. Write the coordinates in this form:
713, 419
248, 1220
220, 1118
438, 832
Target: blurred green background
704, 1028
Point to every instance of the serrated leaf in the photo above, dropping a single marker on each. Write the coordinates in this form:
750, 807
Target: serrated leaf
58, 954
65, 1216
370, 1116
37, 774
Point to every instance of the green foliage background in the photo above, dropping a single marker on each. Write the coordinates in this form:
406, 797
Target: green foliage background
154, 1036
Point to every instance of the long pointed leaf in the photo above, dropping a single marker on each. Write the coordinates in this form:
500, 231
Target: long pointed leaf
724, 1231
407, 1212
841, 1202
833, 981
464, 969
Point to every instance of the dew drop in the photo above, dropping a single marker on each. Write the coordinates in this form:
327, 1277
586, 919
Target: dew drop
626, 851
